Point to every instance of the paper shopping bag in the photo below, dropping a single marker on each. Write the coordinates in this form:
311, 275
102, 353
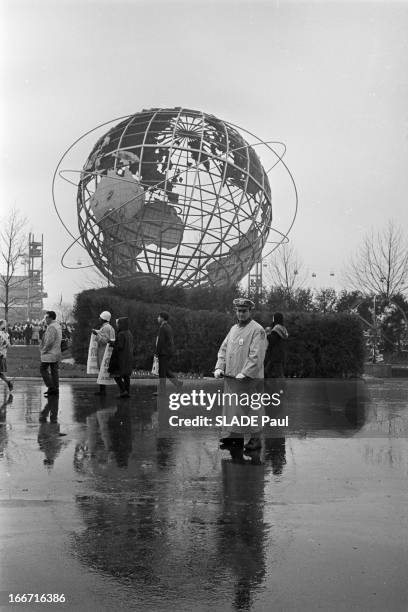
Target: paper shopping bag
104, 378
155, 366
92, 363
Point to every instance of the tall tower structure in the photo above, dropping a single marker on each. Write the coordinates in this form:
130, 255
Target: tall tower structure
255, 283
35, 285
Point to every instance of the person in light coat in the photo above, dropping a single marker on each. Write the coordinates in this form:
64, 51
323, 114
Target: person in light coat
104, 335
241, 361
50, 350
4, 344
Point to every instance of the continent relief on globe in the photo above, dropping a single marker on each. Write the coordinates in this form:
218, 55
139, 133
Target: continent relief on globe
117, 193
119, 207
238, 261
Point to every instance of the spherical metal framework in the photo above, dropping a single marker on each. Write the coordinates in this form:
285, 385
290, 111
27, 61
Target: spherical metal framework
177, 195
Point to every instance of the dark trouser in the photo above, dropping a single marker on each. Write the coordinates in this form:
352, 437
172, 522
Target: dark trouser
49, 373
165, 372
123, 383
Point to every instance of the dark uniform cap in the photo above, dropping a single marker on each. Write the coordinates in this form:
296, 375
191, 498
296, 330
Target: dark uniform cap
243, 303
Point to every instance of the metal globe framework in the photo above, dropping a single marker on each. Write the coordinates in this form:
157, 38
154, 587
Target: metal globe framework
176, 195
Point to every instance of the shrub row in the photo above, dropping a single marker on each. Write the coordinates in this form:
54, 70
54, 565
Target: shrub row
318, 346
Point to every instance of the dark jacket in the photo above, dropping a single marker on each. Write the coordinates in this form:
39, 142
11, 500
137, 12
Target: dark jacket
165, 340
121, 363
275, 352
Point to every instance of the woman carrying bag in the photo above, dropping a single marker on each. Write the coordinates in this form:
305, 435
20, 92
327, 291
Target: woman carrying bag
104, 335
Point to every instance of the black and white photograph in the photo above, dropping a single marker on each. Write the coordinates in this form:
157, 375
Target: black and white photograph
204, 305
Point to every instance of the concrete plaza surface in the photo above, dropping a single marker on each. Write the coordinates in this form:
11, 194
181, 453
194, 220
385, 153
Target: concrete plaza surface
98, 505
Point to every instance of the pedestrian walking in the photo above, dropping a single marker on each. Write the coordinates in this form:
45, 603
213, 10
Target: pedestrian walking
35, 338
241, 361
165, 352
121, 362
104, 335
28, 333
4, 344
50, 350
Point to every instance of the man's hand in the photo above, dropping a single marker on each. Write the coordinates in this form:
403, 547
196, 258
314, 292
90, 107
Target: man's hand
218, 373
240, 376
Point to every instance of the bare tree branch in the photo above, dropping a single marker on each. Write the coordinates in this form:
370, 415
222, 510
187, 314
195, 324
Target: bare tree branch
285, 270
13, 244
380, 266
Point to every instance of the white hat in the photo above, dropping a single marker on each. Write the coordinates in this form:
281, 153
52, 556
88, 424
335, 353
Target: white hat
105, 315
243, 303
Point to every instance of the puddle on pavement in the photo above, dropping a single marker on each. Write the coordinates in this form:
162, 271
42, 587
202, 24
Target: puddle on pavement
176, 522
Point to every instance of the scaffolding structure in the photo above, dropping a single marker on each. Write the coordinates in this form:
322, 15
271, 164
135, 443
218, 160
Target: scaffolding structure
35, 278
255, 282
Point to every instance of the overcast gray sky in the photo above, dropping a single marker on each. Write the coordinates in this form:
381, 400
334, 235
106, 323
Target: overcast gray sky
328, 79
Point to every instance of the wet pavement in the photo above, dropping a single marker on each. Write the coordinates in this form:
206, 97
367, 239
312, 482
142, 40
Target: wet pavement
97, 504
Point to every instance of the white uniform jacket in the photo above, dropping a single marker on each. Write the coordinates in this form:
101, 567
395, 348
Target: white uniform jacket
243, 351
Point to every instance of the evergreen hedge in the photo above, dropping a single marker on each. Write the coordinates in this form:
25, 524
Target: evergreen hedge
319, 345
330, 345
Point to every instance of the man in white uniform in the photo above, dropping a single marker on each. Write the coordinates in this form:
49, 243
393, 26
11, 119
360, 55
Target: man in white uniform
241, 361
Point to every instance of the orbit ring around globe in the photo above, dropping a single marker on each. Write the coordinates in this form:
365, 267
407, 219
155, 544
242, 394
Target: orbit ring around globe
176, 196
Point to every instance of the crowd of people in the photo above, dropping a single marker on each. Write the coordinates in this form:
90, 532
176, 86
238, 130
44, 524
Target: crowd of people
247, 354
50, 337
31, 332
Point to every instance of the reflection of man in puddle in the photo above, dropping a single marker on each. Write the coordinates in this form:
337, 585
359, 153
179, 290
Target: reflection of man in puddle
275, 452
49, 434
242, 530
3, 424
241, 361
120, 428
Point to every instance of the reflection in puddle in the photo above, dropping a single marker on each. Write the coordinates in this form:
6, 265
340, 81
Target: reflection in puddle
175, 520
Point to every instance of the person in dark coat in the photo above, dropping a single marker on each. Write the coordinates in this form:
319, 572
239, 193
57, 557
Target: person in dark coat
165, 351
275, 352
28, 333
121, 363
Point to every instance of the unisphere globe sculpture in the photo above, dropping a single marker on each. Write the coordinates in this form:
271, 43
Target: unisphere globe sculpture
174, 195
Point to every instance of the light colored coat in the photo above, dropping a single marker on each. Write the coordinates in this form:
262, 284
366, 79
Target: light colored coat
50, 347
243, 351
104, 335
4, 342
